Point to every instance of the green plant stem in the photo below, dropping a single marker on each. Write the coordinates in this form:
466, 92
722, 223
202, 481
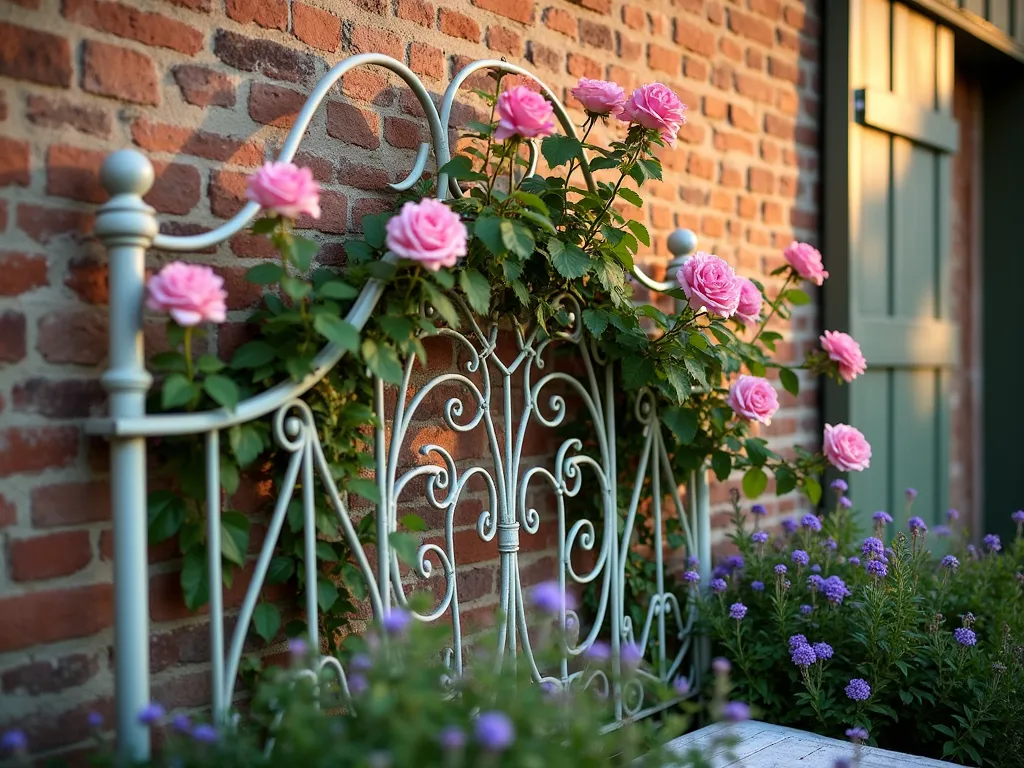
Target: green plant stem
774, 307
611, 198
587, 128
189, 371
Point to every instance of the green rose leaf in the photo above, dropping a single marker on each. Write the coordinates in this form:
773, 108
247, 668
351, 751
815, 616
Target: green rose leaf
382, 360
756, 451
797, 298
265, 274
813, 490
631, 197
338, 331
405, 547
221, 390
295, 287
559, 149
461, 167
246, 443
266, 620
488, 230
790, 381
374, 229
785, 480
177, 391
253, 354
326, 594
281, 569
755, 481
209, 364
682, 422
640, 232
302, 251
477, 290
195, 581
337, 289
517, 237
166, 512
229, 475
637, 372
354, 580
596, 321
442, 304
363, 486
234, 536
325, 552
413, 523
721, 465
570, 261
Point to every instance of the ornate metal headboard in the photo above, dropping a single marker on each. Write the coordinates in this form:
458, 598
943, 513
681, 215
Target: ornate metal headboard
499, 391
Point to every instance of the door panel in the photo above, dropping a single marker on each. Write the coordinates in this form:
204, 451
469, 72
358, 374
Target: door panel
897, 304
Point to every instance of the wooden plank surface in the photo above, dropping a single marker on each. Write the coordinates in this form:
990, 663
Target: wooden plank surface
763, 745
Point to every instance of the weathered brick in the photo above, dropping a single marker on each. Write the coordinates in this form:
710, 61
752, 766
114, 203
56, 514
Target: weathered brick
561, 21
664, 59
426, 60
15, 159
177, 188
87, 277
504, 40
751, 27
8, 512
634, 17
730, 49
227, 193
376, 40
787, 102
596, 34
794, 16
629, 50
789, 186
318, 28
353, 125
779, 127
29, 450
701, 167
753, 88
59, 113
371, 87
22, 272
542, 56
272, 14
712, 225
768, 8
12, 337
600, 6
362, 176
695, 38
517, 10
715, 108
730, 177
274, 60
403, 134
761, 181
51, 676
75, 337
696, 69
787, 39
205, 87
63, 614
49, 556
74, 172
59, 398
274, 104
755, 58
43, 223
419, 11
733, 142
746, 207
161, 137
121, 73
579, 65
742, 118
714, 11
784, 70
28, 54
125, 21
457, 24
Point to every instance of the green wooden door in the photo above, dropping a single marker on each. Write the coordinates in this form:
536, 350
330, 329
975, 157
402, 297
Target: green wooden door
893, 292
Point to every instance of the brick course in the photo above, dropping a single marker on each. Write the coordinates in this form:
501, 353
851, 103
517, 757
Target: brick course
208, 88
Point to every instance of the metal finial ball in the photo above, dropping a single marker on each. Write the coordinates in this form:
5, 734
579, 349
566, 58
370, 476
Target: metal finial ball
127, 172
682, 242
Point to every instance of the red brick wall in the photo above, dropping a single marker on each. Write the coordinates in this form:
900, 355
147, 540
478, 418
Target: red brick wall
207, 89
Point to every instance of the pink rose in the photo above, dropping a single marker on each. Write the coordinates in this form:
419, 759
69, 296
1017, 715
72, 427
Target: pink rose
846, 449
709, 283
806, 260
428, 232
844, 350
522, 112
285, 189
748, 311
599, 97
189, 293
754, 398
655, 106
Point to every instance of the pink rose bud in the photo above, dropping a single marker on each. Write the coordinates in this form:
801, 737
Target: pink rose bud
189, 293
754, 398
709, 283
846, 449
844, 350
285, 189
525, 113
428, 232
806, 260
748, 311
655, 106
599, 97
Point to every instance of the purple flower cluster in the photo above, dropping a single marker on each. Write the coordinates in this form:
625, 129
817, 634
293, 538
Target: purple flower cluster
872, 547
796, 640
992, 542
800, 557
494, 731
759, 537
757, 586
803, 655
691, 577
810, 522
548, 597
857, 734
883, 518
854, 561
942, 531
397, 621
720, 665
858, 689
815, 582
631, 655
876, 568
1018, 517
916, 525
815, 568
13, 741
598, 652
780, 569
911, 494
681, 685
952, 515
452, 738
823, 651
950, 562
718, 586
831, 544
839, 485
835, 590
789, 525
735, 712
806, 609
151, 713
844, 502
965, 636
759, 510
737, 611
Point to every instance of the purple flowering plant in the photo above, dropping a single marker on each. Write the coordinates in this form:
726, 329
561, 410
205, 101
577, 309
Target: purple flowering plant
888, 626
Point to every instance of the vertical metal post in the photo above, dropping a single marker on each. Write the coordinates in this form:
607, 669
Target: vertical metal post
702, 502
127, 226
